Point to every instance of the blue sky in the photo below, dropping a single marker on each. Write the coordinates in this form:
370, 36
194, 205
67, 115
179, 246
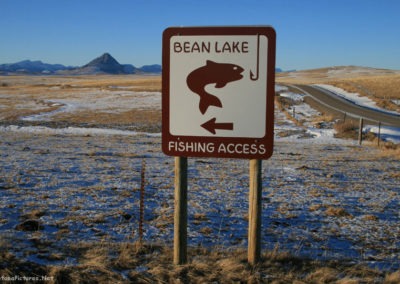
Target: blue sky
310, 33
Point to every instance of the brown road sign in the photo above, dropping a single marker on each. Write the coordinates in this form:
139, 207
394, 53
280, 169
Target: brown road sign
218, 91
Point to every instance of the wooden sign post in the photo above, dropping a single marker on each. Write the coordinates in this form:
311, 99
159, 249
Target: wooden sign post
255, 208
180, 214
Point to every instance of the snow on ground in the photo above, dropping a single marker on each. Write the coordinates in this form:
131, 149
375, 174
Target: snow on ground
319, 200
387, 133
322, 197
107, 101
286, 130
78, 131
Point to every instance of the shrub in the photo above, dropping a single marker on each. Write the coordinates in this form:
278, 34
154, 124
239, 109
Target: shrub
348, 129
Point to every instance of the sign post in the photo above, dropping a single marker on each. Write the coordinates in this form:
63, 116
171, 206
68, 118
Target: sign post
218, 87
180, 214
254, 234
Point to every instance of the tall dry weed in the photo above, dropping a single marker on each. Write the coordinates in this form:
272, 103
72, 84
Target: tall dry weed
323, 275
390, 150
141, 263
347, 130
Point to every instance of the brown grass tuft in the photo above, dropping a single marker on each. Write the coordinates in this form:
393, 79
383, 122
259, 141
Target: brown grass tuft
337, 212
348, 130
323, 275
390, 150
392, 278
144, 263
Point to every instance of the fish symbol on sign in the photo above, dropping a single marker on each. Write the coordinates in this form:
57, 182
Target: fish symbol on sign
219, 74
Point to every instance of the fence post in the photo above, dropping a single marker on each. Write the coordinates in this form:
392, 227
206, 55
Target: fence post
379, 133
141, 204
360, 131
180, 214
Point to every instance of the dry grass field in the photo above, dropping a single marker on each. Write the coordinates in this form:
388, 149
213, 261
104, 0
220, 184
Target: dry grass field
323, 75
207, 267
381, 85
337, 201
327, 200
382, 89
22, 96
28, 95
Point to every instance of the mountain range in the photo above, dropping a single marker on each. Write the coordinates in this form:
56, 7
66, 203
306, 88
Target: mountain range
104, 64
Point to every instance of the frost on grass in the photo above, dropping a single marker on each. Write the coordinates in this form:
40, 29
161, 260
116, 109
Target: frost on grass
320, 201
70, 199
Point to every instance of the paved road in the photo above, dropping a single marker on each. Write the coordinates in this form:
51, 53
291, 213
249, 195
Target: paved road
339, 104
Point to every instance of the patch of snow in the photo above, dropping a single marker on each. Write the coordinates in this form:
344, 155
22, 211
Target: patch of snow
354, 97
293, 96
387, 133
45, 116
334, 71
306, 111
107, 101
120, 87
77, 131
280, 88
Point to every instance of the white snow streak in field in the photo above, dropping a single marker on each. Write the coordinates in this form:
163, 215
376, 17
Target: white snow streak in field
387, 133
105, 101
77, 131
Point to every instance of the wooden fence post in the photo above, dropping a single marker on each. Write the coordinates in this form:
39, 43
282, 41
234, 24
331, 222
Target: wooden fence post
141, 204
379, 133
180, 214
360, 132
255, 208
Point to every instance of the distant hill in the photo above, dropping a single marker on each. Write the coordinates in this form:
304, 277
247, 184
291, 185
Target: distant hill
327, 74
104, 64
155, 68
32, 67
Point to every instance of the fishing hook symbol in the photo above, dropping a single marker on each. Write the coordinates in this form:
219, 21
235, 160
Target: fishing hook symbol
252, 76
